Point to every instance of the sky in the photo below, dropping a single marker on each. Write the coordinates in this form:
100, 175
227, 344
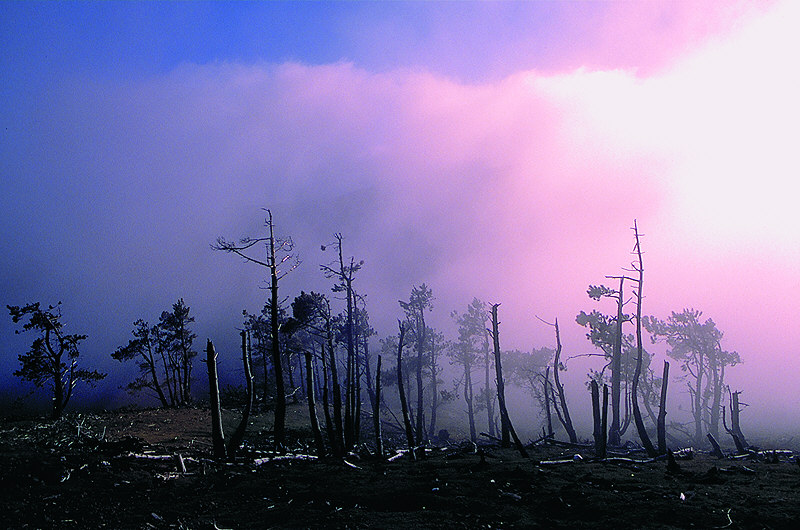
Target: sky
495, 149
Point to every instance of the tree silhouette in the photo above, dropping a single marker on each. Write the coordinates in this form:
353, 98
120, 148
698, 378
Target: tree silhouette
53, 356
278, 252
418, 303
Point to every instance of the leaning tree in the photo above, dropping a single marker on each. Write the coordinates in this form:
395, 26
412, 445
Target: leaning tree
53, 356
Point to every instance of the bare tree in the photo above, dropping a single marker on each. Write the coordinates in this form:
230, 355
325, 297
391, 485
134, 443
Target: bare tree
278, 252
344, 272
562, 411
638, 268
505, 421
217, 434
238, 435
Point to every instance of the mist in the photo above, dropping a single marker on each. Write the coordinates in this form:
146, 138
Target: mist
507, 169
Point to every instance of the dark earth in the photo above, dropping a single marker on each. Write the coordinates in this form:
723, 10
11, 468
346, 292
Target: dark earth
122, 470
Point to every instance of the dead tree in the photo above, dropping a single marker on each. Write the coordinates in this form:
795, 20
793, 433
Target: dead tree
661, 426
734, 431
217, 436
273, 263
717, 450
637, 414
600, 418
563, 413
604, 421
401, 389
548, 413
735, 410
238, 435
505, 421
376, 411
312, 405
616, 371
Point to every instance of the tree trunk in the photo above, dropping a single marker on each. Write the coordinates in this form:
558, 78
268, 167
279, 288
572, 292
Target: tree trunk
401, 389
329, 428
662, 412
468, 395
421, 329
566, 419
735, 410
58, 386
604, 421
280, 390
597, 420
376, 412
547, 410
434, 390
368, 374
337, 395
698, 404
217, 436
238, 435
637, 415
507, 427
312, 406
488, 385
616, 372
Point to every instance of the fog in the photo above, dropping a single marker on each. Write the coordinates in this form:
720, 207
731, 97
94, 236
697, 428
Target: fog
506, 164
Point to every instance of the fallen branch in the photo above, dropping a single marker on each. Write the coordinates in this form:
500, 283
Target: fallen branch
541, 439
279, 458
495, 438
141, 456
345, 462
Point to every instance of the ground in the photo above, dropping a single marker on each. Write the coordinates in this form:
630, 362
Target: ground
121, 470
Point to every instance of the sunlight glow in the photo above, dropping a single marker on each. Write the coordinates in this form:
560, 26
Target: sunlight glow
724, 121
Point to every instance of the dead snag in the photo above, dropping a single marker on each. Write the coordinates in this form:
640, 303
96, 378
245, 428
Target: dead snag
735, 410
238, 435
598, 417
604, 420
717, 450
376, 412
312, 406
507, 427
401, 389
563, 414
740, 448
217, 435
661, 426
637, 415
546, 391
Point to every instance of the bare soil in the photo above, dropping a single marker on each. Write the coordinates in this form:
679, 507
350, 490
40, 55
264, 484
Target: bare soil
121, 470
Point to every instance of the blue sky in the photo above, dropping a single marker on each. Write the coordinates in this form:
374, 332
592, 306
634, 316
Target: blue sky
41, 39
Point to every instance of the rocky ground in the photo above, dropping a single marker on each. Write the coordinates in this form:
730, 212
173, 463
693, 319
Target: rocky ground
151, 469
